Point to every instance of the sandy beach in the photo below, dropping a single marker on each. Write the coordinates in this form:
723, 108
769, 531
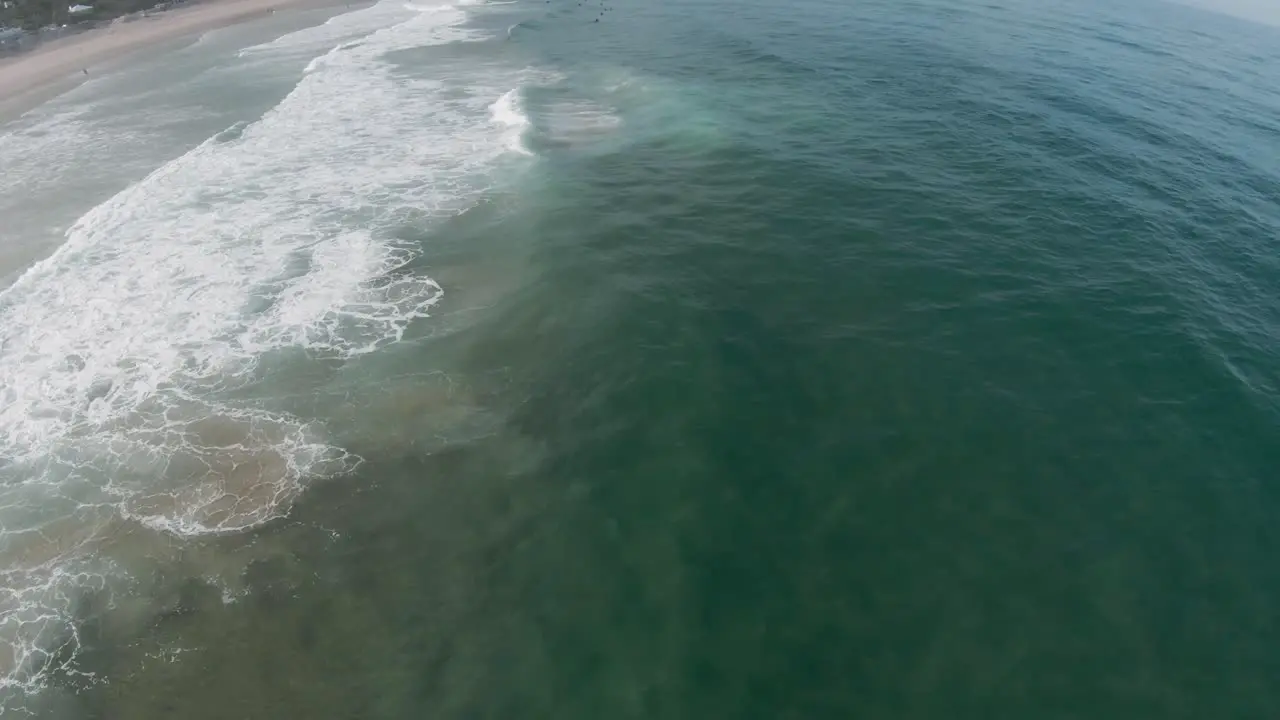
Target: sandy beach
65, 57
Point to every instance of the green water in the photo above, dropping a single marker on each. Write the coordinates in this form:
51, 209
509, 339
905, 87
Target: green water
828, 360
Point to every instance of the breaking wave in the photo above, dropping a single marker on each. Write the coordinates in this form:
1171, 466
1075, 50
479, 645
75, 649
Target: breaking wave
129, 358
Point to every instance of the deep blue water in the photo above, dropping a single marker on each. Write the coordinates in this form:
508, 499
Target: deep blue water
850, 360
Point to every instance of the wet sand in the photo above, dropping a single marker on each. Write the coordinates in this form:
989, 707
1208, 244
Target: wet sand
65, 58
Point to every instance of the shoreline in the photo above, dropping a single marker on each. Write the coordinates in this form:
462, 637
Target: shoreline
49, 67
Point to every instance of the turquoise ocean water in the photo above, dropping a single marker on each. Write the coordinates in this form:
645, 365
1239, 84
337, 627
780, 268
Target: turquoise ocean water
649, 359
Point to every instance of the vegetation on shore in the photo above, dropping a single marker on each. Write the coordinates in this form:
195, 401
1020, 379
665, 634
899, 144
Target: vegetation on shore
34, 14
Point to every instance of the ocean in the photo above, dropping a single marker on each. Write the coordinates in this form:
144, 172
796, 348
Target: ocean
649, 359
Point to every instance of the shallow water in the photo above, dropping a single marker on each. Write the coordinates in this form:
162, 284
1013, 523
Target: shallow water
709, 360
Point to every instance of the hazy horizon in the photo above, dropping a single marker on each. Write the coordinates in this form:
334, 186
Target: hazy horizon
1263, 11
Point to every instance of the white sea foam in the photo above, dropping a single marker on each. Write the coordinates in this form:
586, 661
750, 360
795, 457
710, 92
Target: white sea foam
43, 153
337, 30
509, 112
123, 353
